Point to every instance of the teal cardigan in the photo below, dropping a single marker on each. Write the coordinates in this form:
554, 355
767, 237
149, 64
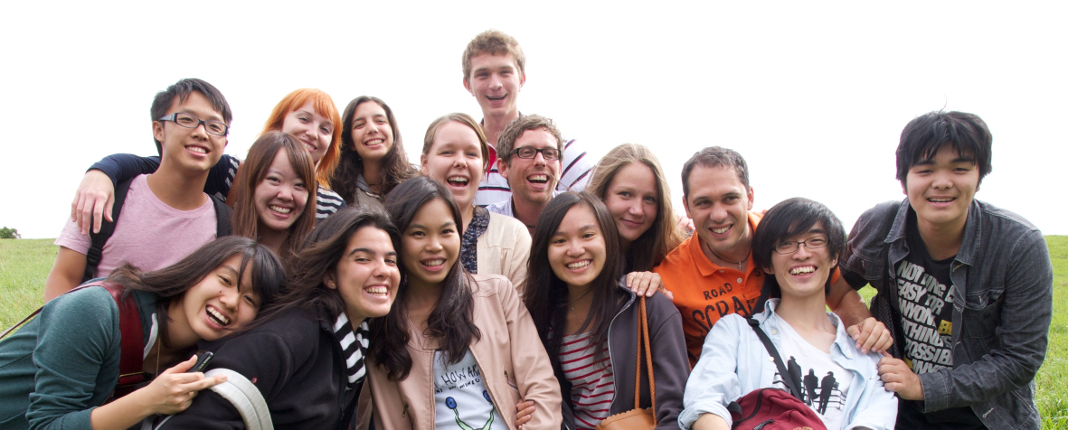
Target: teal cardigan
65, 362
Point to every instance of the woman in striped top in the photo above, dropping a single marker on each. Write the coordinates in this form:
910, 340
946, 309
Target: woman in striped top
586, 318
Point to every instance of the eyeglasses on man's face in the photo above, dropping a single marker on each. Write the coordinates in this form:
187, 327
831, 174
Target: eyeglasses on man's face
528, 152
215, 128
790, 246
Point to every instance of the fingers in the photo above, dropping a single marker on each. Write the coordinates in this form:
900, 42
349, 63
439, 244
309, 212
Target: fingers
884, 342
182, 367
643, 283
524, 409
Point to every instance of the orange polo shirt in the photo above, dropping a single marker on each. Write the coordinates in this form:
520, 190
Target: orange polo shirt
705, 292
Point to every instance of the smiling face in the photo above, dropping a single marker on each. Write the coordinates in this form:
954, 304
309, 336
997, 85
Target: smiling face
633, 200
941, 189
455, 160
431, 243
495, 82
577, 248
215, 306
719, 203
805, 272
371, 134
367, 275
281, 196
190, 149
313, 130
532, 179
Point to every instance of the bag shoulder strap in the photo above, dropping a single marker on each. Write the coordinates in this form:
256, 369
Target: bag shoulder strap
107, 228
245, 397
643, 341
132, 345
222, 217
785, 374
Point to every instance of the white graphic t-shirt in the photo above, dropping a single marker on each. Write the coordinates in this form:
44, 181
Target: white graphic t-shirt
824, 384
461, 396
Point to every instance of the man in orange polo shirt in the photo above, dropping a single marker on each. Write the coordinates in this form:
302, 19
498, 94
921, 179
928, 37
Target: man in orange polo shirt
712, 274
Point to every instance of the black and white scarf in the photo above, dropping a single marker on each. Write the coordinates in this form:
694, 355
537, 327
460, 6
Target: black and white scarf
353, 346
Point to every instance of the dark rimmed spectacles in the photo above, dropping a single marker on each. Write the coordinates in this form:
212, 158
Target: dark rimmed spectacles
790, 247
528, 152
189, 121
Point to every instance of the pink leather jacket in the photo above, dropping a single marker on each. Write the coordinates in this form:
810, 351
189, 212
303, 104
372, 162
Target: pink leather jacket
513, 364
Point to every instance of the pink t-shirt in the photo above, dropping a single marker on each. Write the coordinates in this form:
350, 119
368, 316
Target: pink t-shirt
149, 234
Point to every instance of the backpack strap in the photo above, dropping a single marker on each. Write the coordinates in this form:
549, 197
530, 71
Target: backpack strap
245, 397
223, 227
786, 378
132, 345
107, 228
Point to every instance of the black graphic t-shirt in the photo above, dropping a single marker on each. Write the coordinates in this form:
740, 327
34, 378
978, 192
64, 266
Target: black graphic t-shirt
925, 309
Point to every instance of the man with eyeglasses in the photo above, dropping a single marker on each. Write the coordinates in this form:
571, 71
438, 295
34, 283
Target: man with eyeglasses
165, 215
712, 274
494, 73
528, 151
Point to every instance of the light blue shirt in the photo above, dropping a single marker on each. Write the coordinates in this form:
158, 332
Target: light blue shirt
734, 362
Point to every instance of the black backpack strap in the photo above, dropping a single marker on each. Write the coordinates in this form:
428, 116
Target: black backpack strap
107, 228
222, 217
786, 378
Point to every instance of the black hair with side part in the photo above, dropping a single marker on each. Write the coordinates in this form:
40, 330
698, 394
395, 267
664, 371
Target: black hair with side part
452, 320
790, 218
181, 89
546, 295
924, 136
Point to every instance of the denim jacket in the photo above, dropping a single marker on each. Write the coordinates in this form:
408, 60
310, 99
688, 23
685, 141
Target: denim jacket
734, 362
1003, 272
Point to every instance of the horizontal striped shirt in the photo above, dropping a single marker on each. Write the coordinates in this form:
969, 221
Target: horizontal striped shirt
590, 375
575, 168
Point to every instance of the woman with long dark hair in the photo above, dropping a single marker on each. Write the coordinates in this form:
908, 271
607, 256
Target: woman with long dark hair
797, 245
271, 196
60, 369
372, 160
306, 355
449, 325
587, 319
455, 154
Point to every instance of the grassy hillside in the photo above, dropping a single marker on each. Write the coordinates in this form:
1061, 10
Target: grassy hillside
24, 265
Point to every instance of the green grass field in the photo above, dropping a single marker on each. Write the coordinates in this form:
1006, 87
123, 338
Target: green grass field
24, 265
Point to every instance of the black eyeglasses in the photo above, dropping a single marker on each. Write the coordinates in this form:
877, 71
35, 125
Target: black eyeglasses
527, 152
189, 121
790, 247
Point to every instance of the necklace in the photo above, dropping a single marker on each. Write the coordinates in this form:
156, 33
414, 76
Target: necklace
739, 263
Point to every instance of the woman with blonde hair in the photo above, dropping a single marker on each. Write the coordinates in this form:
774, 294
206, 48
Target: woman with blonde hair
630, 182
455, 155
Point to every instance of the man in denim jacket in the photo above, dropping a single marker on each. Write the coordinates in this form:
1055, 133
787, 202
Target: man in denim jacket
966, 287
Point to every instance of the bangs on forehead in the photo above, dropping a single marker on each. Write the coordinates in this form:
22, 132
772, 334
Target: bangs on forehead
929, 152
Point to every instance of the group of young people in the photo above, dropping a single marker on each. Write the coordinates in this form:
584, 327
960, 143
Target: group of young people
499, 284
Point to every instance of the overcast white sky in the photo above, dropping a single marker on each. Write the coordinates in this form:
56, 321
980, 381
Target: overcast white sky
813, 94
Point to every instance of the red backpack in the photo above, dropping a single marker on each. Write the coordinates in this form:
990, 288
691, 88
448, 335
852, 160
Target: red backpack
772, 408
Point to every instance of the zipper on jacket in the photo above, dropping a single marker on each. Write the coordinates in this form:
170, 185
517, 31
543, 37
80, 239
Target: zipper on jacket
610, 358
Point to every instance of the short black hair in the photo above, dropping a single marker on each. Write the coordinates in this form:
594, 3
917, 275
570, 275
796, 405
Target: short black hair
715, 156
924, 136
182, 89
790, 218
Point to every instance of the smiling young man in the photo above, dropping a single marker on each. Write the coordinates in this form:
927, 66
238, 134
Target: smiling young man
529, 158
165, 216
494, 73
965, 287
712, 274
